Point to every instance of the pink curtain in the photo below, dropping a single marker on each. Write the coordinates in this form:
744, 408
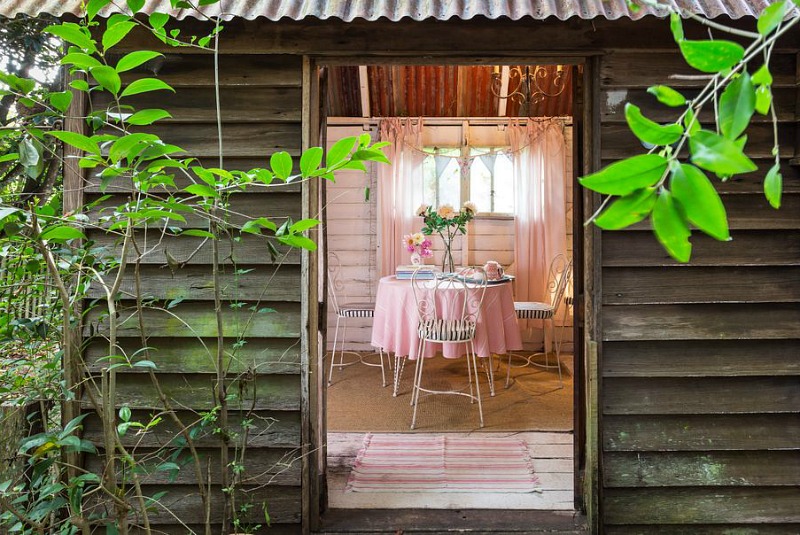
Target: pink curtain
396, 183
539, 165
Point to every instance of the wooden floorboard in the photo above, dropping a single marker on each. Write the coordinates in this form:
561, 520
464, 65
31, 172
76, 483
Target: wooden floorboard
551, 454
406, 521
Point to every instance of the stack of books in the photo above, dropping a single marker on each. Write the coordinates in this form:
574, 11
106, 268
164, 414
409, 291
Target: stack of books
424, 272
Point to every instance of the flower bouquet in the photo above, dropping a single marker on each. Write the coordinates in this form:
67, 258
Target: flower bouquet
419, 246
447, 223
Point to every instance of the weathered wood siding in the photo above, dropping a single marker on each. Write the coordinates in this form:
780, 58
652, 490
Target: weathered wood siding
261, 113
700, 362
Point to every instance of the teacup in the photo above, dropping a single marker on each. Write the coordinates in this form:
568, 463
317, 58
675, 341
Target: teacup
494, 271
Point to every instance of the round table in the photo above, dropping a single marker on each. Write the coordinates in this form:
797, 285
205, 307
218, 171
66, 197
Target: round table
394, 326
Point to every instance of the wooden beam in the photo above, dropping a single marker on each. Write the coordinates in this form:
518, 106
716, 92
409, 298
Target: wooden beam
363, 84
502, 106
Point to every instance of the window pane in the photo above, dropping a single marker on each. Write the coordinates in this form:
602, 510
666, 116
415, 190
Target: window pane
503, 185
480, 187
450, 184
442, 185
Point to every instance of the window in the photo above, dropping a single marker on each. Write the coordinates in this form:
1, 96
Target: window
455, 175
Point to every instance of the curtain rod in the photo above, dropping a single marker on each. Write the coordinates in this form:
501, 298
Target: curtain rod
443, 121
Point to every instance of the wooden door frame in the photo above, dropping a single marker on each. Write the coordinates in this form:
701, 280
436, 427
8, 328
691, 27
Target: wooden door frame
587, 271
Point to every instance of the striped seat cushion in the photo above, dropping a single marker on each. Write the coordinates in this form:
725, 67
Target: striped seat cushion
569, 300
442, 330
533, 311
357, 310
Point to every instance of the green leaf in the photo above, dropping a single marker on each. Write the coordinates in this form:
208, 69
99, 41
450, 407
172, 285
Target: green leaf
310, 161
9, 157
145, 364
6, 211
773, 186
80, 60
107, 77
135, 5
60, 100
61, 233
80, 85
676, 26
144, 85
736, 106
771, 17
125, 413
690, 122
158, 20
763, 99
298, 240
625, 177
130, 146
371, 155
29, 155
281, 164
303, 225
762, 76
340, 150
116, 33
711, 56
718, 154
202, 190
670, 228
94, 6
667, 96
145, 117
199, 233
79, 141
134, 59
627, 210
650, 131
73, 34
701, 204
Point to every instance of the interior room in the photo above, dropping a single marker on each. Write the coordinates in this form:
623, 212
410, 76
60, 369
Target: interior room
489, 150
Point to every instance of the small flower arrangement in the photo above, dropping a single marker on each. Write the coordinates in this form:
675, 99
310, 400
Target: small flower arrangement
448, 223
418, 245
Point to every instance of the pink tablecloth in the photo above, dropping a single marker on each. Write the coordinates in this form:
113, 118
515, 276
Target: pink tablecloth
394, 327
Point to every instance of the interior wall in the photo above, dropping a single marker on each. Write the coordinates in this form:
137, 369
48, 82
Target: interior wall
352, 230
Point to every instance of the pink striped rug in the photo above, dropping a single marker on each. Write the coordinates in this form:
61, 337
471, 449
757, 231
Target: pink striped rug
411, 463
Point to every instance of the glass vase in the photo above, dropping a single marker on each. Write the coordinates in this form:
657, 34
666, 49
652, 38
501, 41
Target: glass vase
416, 259
448, 266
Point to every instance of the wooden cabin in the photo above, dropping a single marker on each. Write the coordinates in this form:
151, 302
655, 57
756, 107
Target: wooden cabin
686, 405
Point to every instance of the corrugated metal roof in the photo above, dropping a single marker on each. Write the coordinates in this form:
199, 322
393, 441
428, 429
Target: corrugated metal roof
394, 10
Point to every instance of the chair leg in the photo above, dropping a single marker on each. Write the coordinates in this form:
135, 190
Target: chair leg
383, 372
490, 374
508, 372
399, 366
417, 382
477, 384
556, 347
333, 353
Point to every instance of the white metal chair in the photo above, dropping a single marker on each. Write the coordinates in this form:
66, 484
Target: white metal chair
557, 281
345, 310
448, 309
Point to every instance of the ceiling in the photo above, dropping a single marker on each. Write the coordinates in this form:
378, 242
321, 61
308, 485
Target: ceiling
438, 91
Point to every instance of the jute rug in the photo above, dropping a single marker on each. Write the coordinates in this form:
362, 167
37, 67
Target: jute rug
534, 402
413, 463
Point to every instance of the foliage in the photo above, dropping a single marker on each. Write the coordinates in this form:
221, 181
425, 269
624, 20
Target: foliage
660, 185
448, 223
172, 195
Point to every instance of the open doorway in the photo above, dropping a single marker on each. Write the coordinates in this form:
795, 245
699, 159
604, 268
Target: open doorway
461, 143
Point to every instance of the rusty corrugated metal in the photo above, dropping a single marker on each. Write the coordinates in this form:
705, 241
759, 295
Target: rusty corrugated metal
439, 91
394, 10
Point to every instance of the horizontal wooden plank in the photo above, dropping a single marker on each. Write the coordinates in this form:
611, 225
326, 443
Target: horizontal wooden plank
613, 100
263, 392
239, 140
197, 320
241, 208
617, 141
745, 432
753, 212
268, 429
705, 395
701, 358
658, 285
709, 529
196, 283
190, 70
184, 502
192, 355
754, 505
262, 466
701, 469
748, 248
192, 250
190, 528
93, 184
700, 322
753, 182
198, 105
643, 68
